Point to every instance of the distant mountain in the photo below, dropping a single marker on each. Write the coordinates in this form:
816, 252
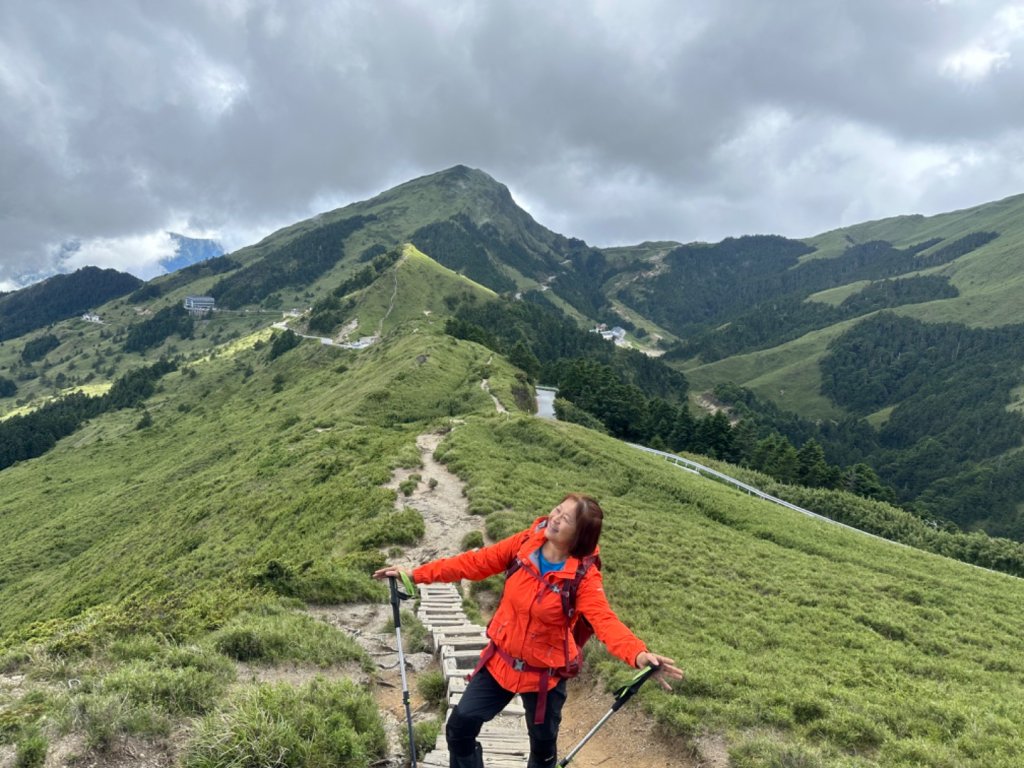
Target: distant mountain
59, 266
889, 344
60, 297
463, 219
190, 250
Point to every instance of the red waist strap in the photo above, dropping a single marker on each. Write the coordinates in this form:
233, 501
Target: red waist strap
546, 673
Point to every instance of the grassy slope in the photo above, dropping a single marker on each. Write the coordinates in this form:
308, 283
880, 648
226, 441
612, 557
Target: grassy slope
837, 643
990, 281
787, 374
221, 476
797, 637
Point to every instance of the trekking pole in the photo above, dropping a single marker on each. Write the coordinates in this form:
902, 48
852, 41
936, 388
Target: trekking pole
396, 597
624, 694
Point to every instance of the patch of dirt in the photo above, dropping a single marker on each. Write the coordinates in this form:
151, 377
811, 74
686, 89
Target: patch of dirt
485, 385
127, 751
629, 737
346, 330
444, 508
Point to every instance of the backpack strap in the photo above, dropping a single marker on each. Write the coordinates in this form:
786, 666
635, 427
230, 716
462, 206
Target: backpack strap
569, 593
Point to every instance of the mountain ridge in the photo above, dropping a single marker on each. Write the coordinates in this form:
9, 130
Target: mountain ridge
758, 311
164, 554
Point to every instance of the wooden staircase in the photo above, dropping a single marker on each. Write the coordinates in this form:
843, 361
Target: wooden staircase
458, 643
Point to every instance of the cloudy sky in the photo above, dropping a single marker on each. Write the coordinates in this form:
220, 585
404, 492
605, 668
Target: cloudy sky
615, 122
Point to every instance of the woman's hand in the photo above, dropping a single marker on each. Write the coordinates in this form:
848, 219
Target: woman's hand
664, 666
389, 571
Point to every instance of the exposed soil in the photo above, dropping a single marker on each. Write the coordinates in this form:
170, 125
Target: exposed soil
444, 508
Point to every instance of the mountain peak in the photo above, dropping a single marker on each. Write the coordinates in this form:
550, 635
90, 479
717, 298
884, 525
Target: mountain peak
459, 181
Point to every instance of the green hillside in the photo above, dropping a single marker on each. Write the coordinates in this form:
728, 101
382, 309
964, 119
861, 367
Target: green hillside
133, 556
787, 319
160, 560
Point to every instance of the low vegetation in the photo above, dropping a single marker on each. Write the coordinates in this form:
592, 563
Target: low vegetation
159, 555
801, 641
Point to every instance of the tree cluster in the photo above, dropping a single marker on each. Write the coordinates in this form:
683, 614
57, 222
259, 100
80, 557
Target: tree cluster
157, 329
60, 297
38, 348
282, 343
299, 262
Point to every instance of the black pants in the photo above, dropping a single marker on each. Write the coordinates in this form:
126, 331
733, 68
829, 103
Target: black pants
484, 699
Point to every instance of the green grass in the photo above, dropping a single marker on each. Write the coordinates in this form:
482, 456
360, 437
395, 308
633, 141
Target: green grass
138, 561
836, 296
855, 651
318, 725
231, 475
787, 374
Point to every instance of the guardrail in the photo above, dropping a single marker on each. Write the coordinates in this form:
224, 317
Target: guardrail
700, 469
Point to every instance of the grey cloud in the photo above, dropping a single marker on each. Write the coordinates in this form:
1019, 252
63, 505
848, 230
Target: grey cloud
615, 123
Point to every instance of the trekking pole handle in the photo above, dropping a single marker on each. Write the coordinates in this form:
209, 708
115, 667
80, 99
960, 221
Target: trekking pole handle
626, 692
395, 599
398, 595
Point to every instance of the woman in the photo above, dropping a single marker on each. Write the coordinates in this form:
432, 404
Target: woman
532, 649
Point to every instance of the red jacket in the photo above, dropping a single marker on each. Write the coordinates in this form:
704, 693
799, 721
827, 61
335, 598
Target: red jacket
530, 623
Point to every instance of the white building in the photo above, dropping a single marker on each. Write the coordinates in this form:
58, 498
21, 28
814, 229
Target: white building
199, 305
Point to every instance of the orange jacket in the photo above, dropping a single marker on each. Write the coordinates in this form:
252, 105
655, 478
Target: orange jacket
529, 623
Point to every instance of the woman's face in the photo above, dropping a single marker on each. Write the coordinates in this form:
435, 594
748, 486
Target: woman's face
561, 529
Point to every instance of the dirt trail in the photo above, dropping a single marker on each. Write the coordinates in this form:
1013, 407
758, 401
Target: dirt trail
629, 737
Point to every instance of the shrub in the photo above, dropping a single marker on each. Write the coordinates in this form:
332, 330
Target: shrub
324, 723
433, 687
336, 581
424, 735
182, 682
105, 716
286, 637
472, 540
282, 343
12, 661
32, 747
405, 527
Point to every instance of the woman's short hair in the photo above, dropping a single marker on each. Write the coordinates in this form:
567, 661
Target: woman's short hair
589, 517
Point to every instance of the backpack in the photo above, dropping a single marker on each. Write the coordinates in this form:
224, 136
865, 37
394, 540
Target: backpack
577, 624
